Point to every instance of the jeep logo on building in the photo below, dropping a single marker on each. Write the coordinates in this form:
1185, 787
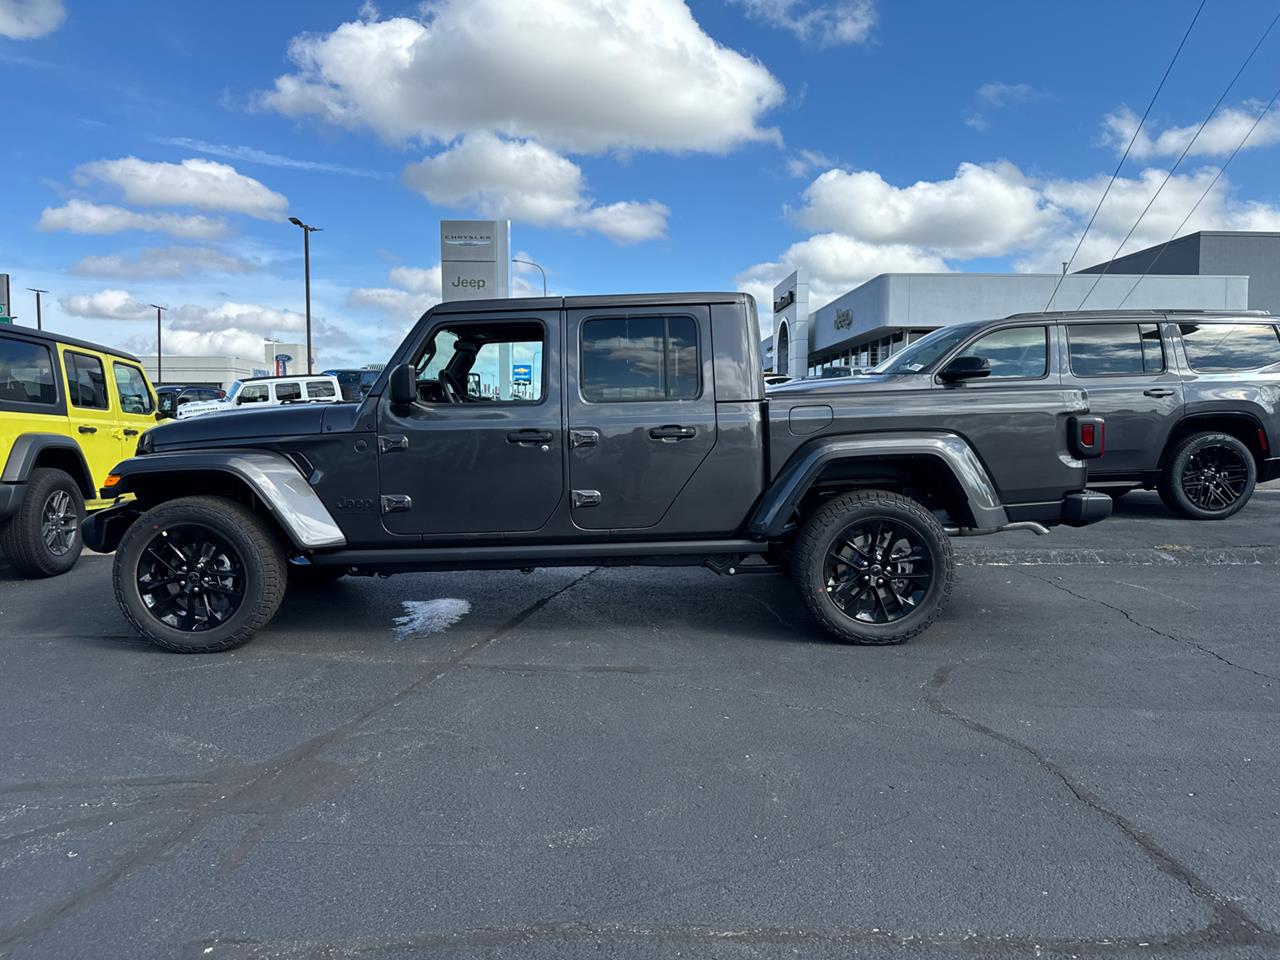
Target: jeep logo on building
475, 283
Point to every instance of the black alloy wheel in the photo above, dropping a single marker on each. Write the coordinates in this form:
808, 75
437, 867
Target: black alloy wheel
1215, 477
59, 523
878, 571
190, 578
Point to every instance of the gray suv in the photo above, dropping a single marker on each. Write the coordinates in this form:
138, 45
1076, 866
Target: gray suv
1189, 397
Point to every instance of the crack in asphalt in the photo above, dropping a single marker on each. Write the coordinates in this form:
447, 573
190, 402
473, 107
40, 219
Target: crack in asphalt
271, 790
1231, 925
1194, 644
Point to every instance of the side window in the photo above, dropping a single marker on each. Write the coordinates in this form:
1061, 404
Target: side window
26, 372
482, 363
86, 381
1115, 349
288, 391
319, 389
132, 386
1222, 347
640, 358
1015, 353
254, 393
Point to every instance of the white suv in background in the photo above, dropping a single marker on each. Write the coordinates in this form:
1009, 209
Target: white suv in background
259, 392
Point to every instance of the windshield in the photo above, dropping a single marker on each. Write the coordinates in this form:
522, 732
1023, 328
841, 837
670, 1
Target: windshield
919, 356
235, 388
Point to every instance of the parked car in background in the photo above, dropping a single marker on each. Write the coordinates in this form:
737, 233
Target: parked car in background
171, 396
1191, 400
356, 383
258, 392
69, 410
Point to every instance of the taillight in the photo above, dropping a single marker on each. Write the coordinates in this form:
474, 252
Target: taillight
1088, 436
1262, 439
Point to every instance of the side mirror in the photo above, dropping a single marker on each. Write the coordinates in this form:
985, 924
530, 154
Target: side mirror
965, 368
401, 386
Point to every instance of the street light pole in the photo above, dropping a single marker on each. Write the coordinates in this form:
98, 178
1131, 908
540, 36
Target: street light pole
307, 231
159, 364
39, 321
540, 270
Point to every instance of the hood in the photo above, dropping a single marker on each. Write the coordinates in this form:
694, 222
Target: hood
287, 420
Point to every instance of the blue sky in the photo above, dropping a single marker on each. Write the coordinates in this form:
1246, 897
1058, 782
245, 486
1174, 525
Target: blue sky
636, 145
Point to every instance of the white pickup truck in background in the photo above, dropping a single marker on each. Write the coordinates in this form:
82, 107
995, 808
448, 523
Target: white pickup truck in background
258, 392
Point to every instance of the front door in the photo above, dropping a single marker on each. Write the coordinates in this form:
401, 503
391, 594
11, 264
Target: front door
643, 415
136, 406
482, 449
1131, 386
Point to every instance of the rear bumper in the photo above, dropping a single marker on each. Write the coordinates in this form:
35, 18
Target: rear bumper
10, 498
1086, 507
1270, 470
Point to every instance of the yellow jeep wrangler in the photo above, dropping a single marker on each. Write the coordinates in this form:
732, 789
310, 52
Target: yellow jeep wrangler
69, 412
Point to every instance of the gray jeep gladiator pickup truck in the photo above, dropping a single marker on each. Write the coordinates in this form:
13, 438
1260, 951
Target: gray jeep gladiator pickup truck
596, 430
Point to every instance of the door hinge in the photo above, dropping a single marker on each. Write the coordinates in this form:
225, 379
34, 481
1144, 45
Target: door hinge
396, 502
392, 443
584, 498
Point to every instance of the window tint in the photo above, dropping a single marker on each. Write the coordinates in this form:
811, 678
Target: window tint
288, 391
85, 381
132, 387
1014, 353
640, 358
1215, 347
320, 388
254, 393
26, 372
1111, 349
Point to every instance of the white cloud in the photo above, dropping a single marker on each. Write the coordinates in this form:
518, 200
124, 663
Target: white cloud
106, 305
28, 19
163, 262
195, 182
254, 155
81, 216
578, 75
199, 343
981, 211
839, 21
804, 162
1220, 136
524, 181
415, 290
251, 317
997, 93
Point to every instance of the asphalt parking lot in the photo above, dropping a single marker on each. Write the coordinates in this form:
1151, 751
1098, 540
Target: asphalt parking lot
1080, 759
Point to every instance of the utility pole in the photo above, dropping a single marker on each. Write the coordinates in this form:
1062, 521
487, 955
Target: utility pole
307, 231
39, 320
540, 270
159, 366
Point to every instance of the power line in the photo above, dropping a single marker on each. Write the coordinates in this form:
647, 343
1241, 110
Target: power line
1125, 155
1182, 156
1213, 183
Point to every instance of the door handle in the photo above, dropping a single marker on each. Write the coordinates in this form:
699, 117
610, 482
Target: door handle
130, 432
529, 437
583, 438
84, 429
1158, 392
671, 433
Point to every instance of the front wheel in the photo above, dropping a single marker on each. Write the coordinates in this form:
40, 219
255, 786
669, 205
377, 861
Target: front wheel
199, 574
42, 539
1210, 476
874, 567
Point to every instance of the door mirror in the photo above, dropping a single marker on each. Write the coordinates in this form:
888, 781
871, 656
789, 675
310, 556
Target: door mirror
965, 368
403, 390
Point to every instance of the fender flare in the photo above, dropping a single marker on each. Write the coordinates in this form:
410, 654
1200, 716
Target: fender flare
777, 507
27, 449
272, 477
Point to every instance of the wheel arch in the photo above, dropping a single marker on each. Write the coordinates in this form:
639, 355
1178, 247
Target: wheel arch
942, 463
1245, 427
31, 451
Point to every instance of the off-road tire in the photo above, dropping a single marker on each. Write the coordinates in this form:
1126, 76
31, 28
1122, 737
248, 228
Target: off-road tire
259, 550
22, 536
838, 515
1171, 488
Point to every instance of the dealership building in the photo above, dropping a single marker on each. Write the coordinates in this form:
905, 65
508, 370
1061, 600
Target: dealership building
1206, 271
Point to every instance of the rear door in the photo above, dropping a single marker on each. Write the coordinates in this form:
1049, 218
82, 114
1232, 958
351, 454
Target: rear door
93, 422
1131, 385
287, 391
322, 390
641, 409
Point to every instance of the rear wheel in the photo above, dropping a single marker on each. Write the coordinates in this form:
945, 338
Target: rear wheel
199, 575
42, 539
1210, 476
874, 567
